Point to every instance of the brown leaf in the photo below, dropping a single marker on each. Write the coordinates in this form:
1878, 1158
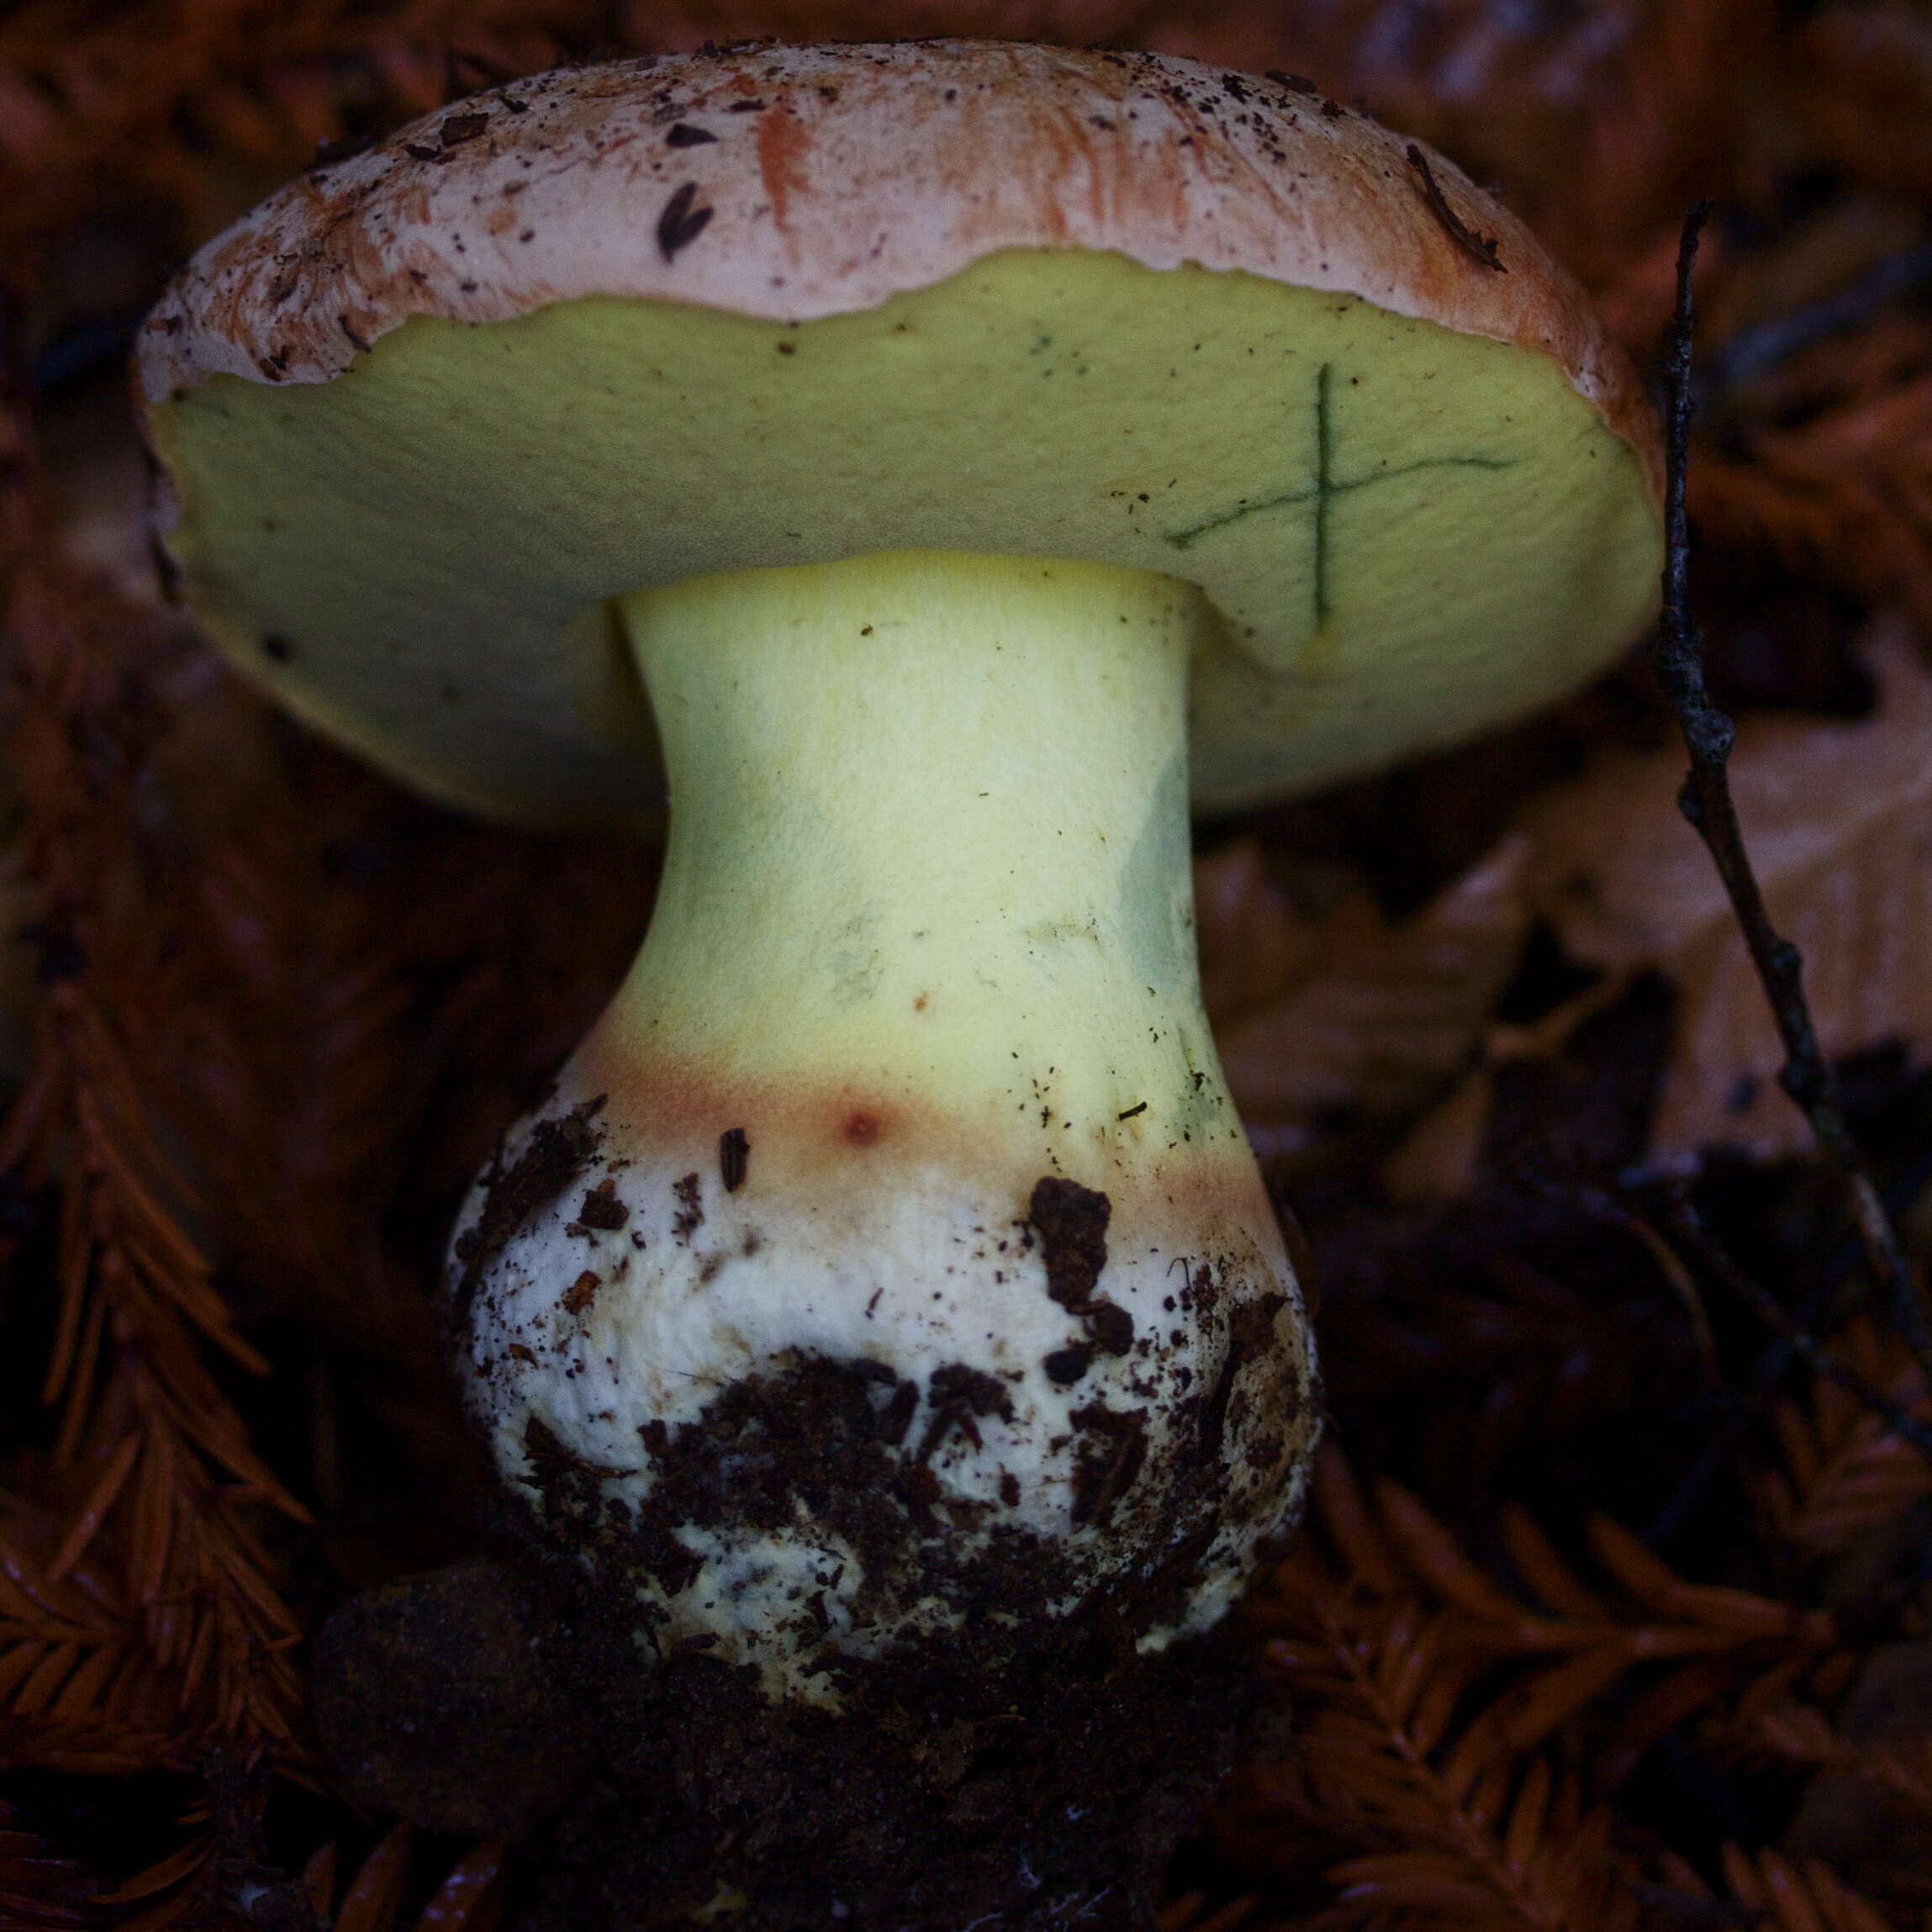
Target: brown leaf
39, 1892
1346, 1016
319, 1880
179, 1864
1813, 259
1845, 496
1863, 79
1190, 1913
1838, 821
1596, 120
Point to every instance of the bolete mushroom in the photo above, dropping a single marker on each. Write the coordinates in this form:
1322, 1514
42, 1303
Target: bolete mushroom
965, 454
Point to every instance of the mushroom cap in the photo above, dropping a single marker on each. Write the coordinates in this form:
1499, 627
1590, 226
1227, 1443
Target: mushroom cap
776, 305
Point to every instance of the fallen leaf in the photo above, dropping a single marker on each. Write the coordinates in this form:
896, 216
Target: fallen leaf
1846, 496
1817, 260
1837, 819
1866, 91
1343, 1018
1441, 1156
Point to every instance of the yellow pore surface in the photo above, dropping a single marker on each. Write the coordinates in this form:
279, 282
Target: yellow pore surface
1405, 533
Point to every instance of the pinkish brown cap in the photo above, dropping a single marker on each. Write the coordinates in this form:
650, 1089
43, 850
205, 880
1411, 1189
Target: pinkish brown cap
1300, 361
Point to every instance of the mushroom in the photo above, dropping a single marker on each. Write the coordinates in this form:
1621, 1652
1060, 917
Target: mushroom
941, 462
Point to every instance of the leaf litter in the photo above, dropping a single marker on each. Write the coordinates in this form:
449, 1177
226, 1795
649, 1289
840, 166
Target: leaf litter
1839, 816
1595, 1608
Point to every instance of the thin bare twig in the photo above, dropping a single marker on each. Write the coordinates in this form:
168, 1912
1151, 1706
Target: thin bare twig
1706, 801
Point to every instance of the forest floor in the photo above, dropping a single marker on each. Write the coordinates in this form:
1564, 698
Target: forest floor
1614, 1605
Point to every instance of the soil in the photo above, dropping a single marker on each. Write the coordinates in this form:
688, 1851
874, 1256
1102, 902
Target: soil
963, 1785
955, 1790
1071, 1223
433, 1704
828, 1443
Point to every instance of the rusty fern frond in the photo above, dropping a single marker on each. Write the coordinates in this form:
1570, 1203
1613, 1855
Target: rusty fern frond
1463, 1835
1431, 1689
468, 1899
152, 1461
1573, 1639
80, 1691
1191, 1912
1798, 1897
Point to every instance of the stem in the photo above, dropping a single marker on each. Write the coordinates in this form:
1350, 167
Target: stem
891, 1254
929, 849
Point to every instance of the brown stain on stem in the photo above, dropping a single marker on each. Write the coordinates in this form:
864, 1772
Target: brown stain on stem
830, 1143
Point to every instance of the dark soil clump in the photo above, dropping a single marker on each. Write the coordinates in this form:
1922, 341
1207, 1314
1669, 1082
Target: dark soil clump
432, 1703
962, 1785
1046, 1791
1071, 1223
